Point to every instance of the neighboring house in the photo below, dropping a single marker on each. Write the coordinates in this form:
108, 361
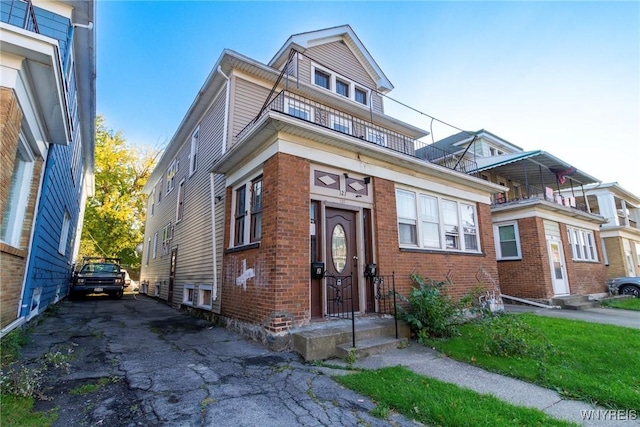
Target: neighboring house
47, 55
277, 168
621, 233
547, 241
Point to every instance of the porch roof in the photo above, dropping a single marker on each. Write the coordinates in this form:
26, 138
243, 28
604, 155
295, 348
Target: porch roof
524, 166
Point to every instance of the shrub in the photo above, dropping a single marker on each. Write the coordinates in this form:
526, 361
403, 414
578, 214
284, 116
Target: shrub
431, 313
506, 335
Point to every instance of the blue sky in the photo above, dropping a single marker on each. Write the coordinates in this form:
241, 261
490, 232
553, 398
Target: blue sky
558, 76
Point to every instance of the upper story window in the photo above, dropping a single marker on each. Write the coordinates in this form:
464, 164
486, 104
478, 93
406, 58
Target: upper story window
432, 222
247, 224
583, 246
341, 85
193, 157
152, 202
64, 233
172, 170
180, 202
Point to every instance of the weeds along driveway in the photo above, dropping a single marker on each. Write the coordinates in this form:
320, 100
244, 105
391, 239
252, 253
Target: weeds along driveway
137, 361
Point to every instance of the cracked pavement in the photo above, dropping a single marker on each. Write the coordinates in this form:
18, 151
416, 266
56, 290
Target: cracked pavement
156, 366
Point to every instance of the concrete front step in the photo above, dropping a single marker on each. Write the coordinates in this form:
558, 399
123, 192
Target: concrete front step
319, 341
574, 302
371, 346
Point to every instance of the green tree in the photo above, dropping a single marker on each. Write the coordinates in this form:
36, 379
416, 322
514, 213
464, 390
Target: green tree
114, 217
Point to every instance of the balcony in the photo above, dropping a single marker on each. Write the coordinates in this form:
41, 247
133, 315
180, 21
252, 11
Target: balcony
19, 13
319, 114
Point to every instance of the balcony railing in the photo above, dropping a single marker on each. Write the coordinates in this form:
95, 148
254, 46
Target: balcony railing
339, 121
530, 192
20, 13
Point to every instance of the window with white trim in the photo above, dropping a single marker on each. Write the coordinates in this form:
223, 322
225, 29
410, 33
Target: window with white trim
152, 202
429, 221
298, 109
172, 170
64, 233
507, 240
193, 157
167, 235
247, 202
582, 243
16, 204
148, 250
377, 137
205, 294
180, 202
155, 245
340, 85
189, 295
341, 124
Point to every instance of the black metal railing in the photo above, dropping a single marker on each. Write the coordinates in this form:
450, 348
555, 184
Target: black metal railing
340, 300
384, 296
530, 192
328, 117
20, 13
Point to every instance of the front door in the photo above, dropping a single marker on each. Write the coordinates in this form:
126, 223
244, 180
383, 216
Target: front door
172, 275
341, 247
558, 270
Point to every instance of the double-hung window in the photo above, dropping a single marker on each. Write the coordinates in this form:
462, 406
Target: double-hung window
322, 79
172, 170
507, 240
431, 222
298, 109
180, 202
18, 195
583, 246
64, 233
361, 96
247, 225
342, 88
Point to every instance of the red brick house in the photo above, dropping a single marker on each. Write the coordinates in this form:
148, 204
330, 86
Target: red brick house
548, 242
283, 168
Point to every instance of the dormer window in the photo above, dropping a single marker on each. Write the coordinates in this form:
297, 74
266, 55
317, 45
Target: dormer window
340, 85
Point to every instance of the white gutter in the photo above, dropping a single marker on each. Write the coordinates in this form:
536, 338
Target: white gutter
225, 137
214, 287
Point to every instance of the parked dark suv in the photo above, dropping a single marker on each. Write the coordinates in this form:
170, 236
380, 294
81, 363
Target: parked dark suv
99, 276
625, 286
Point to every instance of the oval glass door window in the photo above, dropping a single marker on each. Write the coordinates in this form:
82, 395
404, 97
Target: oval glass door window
339, 248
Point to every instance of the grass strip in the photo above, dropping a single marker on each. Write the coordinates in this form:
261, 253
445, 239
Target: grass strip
623, 303
18, 411
437, 403
592, 362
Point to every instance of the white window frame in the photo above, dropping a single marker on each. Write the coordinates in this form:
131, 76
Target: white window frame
248, 184
152, 202
193, 156
167, 236
352, 86
189, 295
296, 105
201, 301
180, 201
155, 246
148, 250
496, 236
583, 244
64, 233
19, 192
342, 122
172, 171
376, 136
417, 220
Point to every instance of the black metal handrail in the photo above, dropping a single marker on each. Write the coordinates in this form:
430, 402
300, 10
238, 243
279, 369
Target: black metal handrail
340, 300
312, 111
385, 296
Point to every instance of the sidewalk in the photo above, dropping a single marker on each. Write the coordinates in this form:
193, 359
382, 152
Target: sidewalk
430, 363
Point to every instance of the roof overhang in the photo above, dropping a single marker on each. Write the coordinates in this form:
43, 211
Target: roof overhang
541, 208
535, 167
42, 71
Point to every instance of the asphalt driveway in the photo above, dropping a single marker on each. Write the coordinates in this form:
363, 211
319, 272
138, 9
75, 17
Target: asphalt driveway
155, 366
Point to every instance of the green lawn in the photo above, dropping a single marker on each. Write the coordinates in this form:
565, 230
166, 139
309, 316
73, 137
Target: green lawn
591, 362
433, 402
624, 303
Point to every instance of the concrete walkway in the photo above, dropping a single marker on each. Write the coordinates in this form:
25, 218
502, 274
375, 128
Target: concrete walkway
428, 362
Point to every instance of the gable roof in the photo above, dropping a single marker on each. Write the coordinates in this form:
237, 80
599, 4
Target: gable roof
303, 41
455, 142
